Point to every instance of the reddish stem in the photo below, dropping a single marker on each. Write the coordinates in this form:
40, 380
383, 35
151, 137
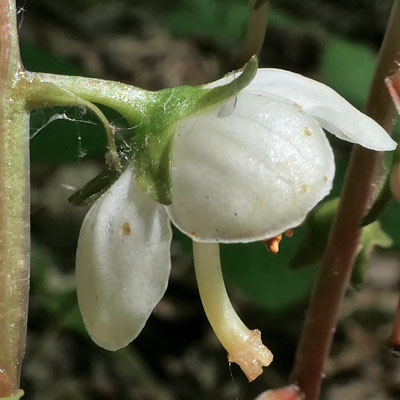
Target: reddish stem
394, 338
335, 271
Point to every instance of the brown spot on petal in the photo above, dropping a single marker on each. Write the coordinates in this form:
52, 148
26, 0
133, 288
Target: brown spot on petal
307, 132
304, 189
126, 229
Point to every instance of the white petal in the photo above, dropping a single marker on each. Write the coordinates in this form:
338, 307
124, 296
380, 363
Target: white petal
250, 175
331, 110
122, 263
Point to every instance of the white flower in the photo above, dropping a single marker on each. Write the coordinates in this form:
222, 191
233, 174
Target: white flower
242, 177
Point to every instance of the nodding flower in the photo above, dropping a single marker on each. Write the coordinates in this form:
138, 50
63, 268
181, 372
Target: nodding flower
240, 173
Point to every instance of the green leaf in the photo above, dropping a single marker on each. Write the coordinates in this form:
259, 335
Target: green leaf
226, 20
38, 59
391, 222
265, 277
372, 235
318, 226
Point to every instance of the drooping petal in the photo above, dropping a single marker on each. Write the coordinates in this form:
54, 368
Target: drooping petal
250, 175
331, 110
122, 263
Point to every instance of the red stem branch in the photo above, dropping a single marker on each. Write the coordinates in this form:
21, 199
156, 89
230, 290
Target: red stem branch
334, 273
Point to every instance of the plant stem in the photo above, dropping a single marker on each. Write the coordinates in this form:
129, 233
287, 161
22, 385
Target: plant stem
394, 338
14, 205
256, 28
342, 246
126, 99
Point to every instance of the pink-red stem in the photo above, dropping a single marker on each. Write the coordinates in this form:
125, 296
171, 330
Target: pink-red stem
336, 266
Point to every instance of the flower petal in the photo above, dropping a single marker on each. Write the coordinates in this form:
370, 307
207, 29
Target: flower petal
331, 110
122, 263
250, 175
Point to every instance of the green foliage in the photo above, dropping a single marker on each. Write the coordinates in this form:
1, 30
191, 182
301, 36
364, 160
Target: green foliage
59, 306
348, 68
58, 141
391, 223
317, 230
225, 20
264, 277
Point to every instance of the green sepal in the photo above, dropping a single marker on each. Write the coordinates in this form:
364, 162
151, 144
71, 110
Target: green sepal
153, 131
15, 396
318, 226
94, 188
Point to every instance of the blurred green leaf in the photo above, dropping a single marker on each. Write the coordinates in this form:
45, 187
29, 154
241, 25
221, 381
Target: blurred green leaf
209, 18
64, 308
37, 59
264, 277
390, 221
60, 140
61, 305
372, 235
348, 68
318, 226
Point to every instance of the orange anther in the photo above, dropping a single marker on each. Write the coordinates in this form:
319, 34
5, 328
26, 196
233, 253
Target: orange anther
272, 244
